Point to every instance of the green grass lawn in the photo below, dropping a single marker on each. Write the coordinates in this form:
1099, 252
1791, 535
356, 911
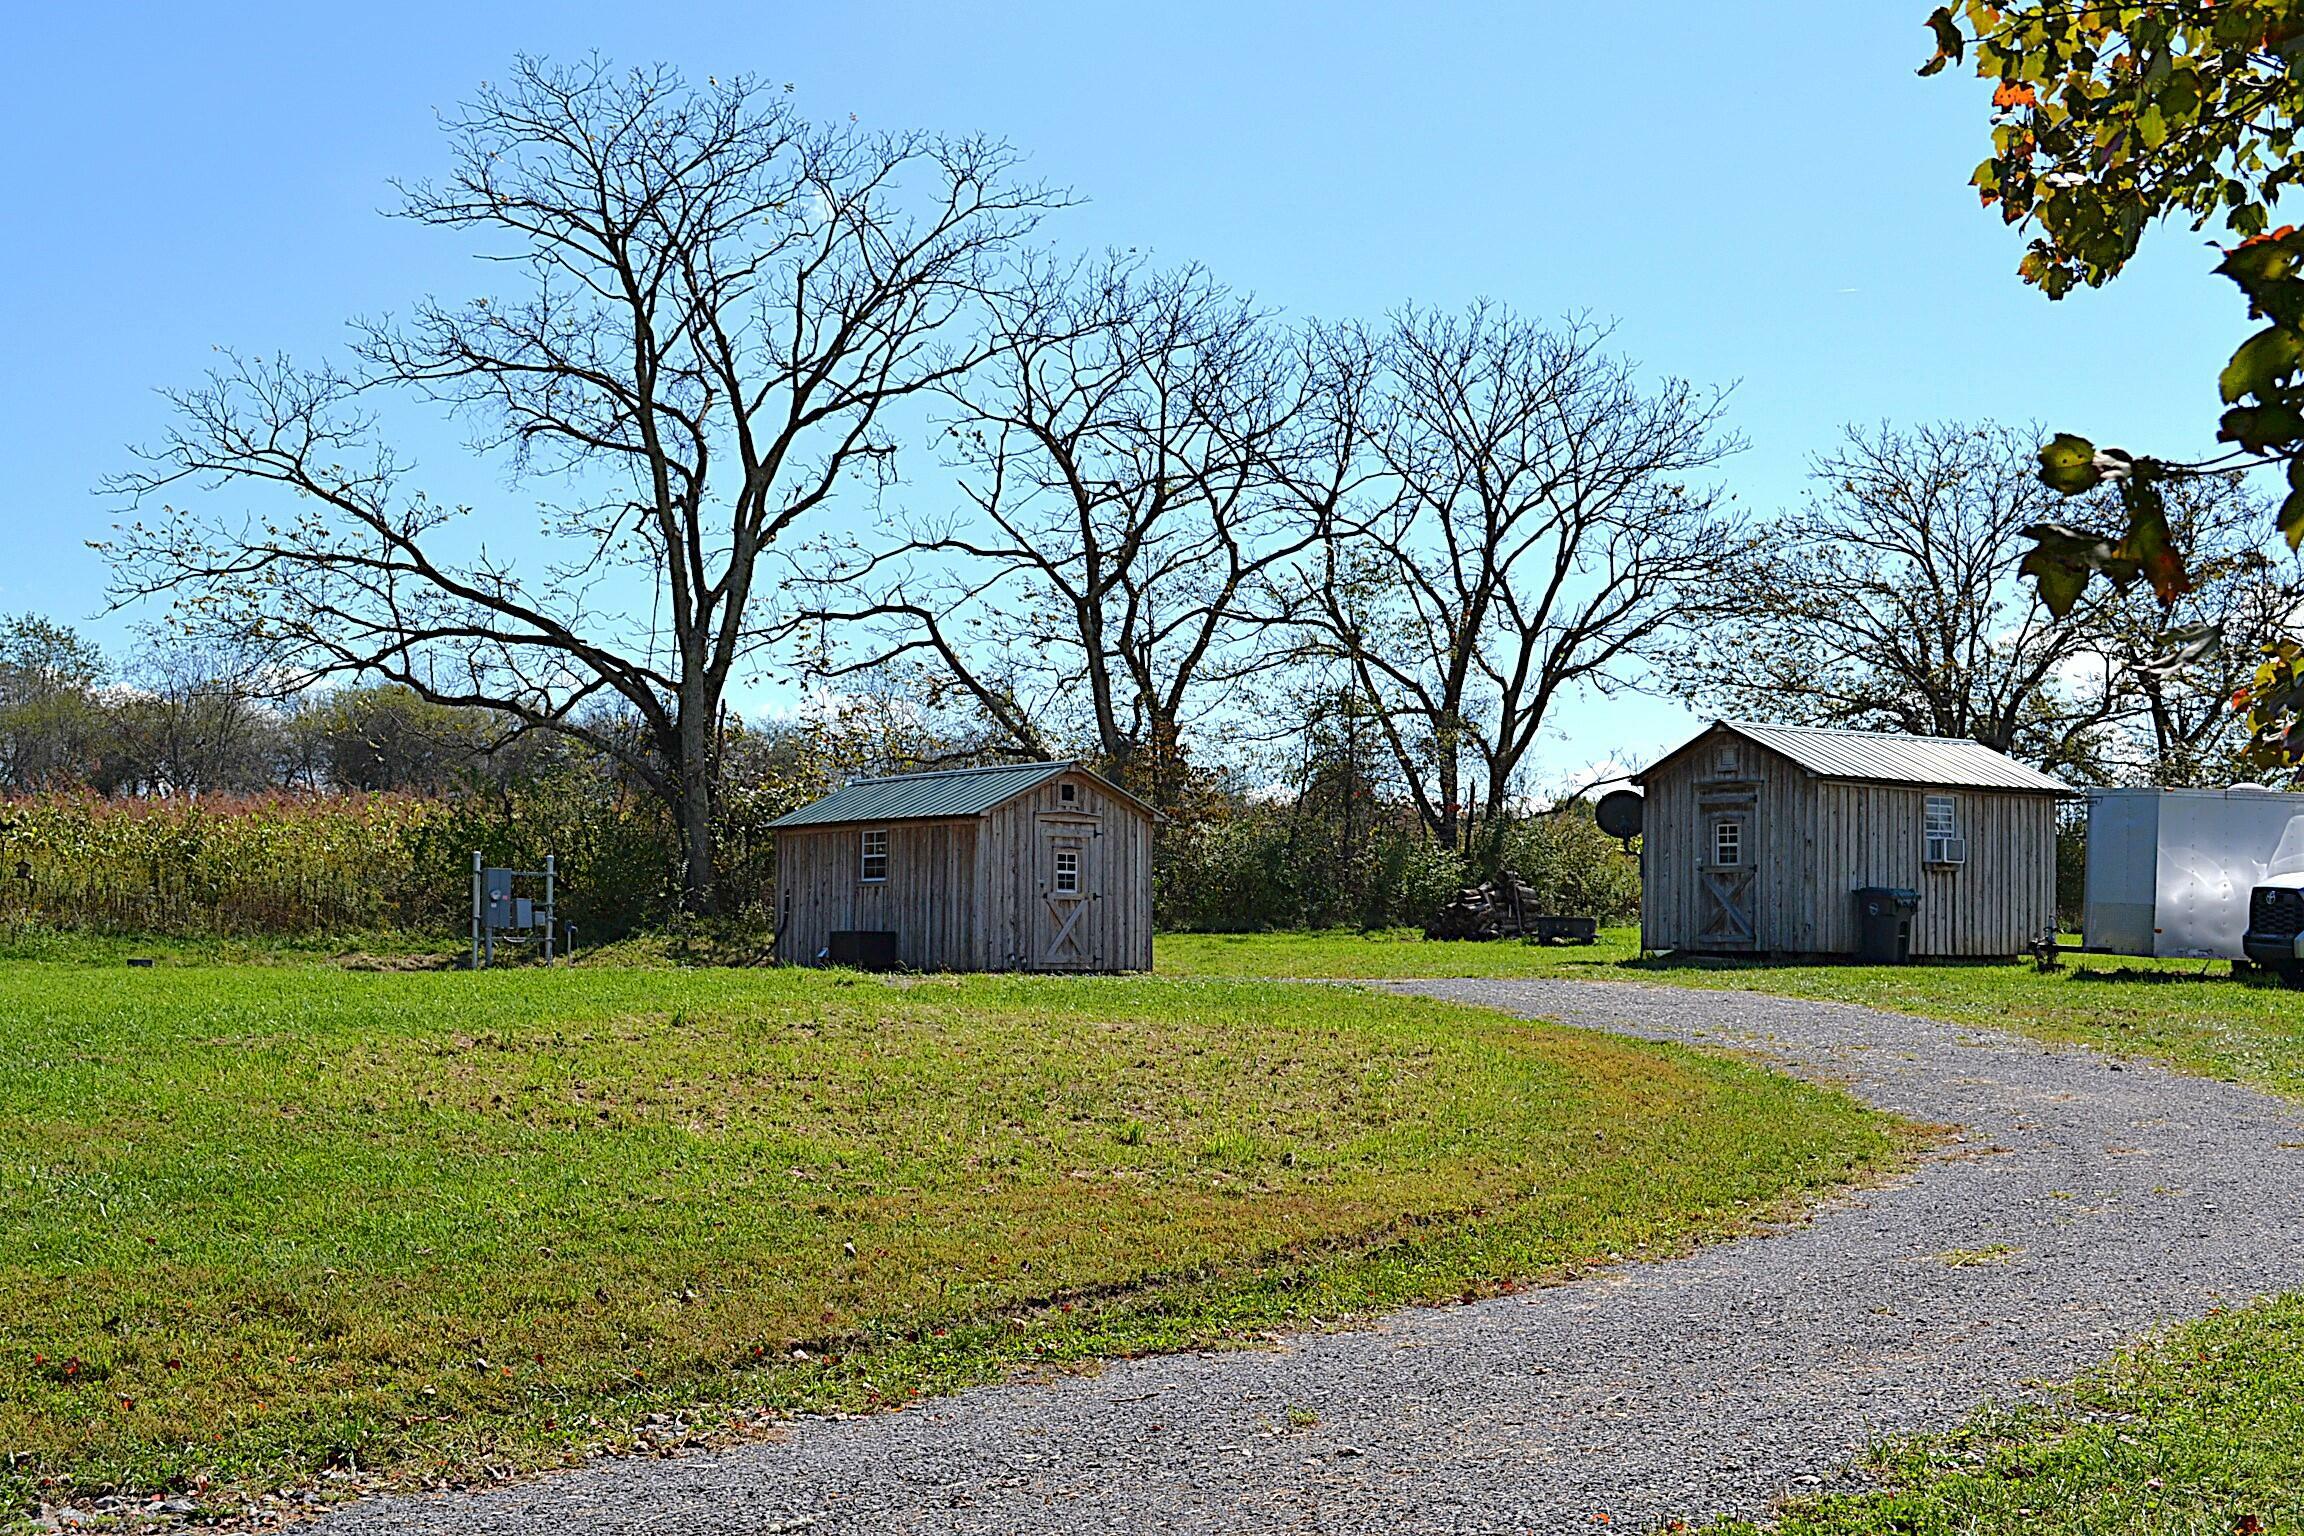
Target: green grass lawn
1342, 954
261, 1221
2190, 1013
2198, 1433
2201, 1431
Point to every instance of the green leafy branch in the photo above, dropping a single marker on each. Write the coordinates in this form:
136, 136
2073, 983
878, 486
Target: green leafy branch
2106, 119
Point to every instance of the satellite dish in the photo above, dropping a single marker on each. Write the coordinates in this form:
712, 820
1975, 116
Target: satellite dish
1619, 813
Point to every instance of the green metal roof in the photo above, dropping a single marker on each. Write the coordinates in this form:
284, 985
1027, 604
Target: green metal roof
923, 796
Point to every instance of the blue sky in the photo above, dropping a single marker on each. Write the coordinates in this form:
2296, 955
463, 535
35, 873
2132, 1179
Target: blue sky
1763, 196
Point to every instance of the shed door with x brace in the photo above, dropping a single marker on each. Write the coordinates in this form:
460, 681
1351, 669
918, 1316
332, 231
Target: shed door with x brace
1064, 912
1726, 872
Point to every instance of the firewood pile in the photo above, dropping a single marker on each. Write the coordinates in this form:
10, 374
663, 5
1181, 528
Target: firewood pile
1505, 908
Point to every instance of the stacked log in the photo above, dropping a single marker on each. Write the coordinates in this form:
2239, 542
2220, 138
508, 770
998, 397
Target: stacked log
1502, 908
1505, 908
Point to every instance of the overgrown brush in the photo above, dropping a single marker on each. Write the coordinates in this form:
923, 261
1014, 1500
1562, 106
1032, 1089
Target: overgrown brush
329, 864
1254, 867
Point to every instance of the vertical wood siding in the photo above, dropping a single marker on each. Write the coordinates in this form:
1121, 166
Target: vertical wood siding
1997, 903
931, 868
1114, 933
1812, 842
1676, 824
972, 895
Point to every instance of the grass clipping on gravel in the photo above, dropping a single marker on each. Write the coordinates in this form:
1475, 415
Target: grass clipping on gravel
260, 1224
2199, 1433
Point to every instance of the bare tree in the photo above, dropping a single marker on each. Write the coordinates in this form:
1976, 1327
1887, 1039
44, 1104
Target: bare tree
720, 302
1114, 460
192, 718
1530, 527
1891, 600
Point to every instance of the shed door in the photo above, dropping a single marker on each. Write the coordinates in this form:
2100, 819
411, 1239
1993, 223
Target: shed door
1065, 878
1726, 876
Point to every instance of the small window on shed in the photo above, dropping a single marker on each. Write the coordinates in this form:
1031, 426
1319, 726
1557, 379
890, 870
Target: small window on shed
1067, 871
1728, 843
1725, 762
1943, 821
872, 865
1067, 793
1945, 846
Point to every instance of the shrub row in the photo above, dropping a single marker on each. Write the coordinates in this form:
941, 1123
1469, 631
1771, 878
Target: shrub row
1267, 867
325, 864
302, 865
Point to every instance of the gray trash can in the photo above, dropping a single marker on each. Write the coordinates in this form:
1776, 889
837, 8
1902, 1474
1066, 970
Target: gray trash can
1884, 924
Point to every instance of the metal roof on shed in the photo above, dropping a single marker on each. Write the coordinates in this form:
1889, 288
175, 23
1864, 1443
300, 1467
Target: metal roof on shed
935, 796
1880, 758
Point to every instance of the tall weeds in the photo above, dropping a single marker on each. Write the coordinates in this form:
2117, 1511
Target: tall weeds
304, 865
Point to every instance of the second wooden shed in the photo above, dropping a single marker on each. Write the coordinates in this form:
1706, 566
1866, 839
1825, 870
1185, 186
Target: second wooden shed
1026, 867
1755, 838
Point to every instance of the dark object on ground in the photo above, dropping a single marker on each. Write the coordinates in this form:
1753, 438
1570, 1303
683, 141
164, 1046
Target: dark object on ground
1884, 924
865, 949
1505, 908
140, 961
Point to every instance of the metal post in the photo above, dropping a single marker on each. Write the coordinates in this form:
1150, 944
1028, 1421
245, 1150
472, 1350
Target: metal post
475, 909
549, 913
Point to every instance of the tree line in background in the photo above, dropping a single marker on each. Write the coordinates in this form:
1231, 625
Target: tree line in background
176, 793
801, 402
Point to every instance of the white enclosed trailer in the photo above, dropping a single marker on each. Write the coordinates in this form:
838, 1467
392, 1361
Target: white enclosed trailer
2170, 871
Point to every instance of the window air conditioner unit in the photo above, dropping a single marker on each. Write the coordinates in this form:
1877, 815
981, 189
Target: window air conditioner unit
1947, 850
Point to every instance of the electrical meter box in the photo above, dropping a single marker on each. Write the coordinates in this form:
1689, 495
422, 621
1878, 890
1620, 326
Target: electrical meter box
500, 915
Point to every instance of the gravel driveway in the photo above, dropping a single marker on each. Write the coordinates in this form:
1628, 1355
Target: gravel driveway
2111, 1198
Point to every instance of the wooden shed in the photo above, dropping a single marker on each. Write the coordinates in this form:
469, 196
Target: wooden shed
1031, 867
1755, 838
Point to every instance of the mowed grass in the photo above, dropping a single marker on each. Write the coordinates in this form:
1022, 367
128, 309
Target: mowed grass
2198, 1433
260, 1223
2190, 1013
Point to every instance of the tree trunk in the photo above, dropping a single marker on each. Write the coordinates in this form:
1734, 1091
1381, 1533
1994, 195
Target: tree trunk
1158, 765
696, 878
1450, 819
696, 767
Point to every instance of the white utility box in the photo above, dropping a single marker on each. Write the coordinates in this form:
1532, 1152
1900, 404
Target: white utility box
2170, 871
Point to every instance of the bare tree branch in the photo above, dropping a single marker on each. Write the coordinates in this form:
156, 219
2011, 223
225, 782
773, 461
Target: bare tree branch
717, 302
1529, 527
1120, 513
1891, 600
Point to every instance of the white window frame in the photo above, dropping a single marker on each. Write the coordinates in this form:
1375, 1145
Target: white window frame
1728, 837
1942, 846
1067, 862
872, 848
1950, 806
